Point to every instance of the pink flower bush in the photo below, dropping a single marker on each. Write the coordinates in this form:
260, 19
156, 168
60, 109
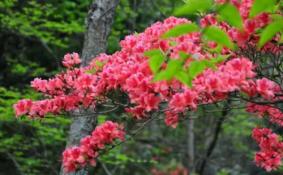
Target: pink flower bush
70, 60
103, 135
271, 149
22, 107
129, 72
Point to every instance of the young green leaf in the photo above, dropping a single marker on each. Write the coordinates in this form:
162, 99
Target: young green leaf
184, 77
91, 71
270, 31
219, 58
155, 62
219, 36
231, 15
99, 63
156, 58
181, 30
153, 52
172, 68
197, 67
101, 119
193, 6
262, 6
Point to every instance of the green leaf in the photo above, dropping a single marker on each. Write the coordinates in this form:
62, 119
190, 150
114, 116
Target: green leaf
172, 68
270, 31
181, 30
184, 77
155, 62
197, 67
156, 58
219, 36
101, 119
91, 71
213, 61
219, 59
153, 52
99, 63
275, 17
183, 56
194, 6
262, 6
231, 15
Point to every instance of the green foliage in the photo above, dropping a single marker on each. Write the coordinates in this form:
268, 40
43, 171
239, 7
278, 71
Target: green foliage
101, 119
34, 145
223, 172
99, 65
36, 35
262, 6
117, 157
217, 35
173, 66
133, 16
193, 6
43, 21
196, 67
28, 27
156, 59
183, 77
181, 30
270, 31
231, 14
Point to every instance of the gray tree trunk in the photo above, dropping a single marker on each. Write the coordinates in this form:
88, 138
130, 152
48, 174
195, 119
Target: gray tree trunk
191, 144
98, 26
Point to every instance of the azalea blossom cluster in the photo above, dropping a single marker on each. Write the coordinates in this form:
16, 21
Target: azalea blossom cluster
275, 115
246, 36
84, 154
65, 92
271, 149
268, 90
128, 70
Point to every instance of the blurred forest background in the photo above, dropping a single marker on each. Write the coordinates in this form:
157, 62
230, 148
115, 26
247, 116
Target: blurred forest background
34, 36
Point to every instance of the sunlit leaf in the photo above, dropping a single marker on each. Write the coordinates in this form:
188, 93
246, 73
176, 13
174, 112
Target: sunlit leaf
155, 62
193, 6
153, 52
184, 77
270, 31
197, 67
261, 6
219, 59
101, 119
231, 15
181, 30
172, 68
219, 36
156, 58
281, 38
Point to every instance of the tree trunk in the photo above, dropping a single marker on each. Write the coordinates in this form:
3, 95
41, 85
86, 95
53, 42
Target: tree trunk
98, 27
217, 132
190, 144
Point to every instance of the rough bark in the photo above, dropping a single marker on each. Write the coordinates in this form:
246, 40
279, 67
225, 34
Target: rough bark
98, 27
